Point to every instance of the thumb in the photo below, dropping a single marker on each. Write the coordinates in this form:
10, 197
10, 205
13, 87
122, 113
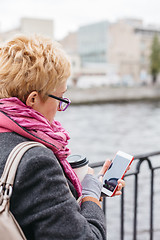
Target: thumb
105, 167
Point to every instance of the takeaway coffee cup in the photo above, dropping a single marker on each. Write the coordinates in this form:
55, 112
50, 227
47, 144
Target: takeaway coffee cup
79, 164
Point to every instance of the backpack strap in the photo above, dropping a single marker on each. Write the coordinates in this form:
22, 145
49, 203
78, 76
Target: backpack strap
8, 175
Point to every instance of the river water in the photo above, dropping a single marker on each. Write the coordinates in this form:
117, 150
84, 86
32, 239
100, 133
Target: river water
98, 131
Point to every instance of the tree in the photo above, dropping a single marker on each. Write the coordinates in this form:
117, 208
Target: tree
155, 59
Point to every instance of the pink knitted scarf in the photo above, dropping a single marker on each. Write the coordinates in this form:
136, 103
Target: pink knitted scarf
39, 126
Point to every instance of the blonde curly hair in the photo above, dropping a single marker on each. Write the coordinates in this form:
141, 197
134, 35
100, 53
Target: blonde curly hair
31, 64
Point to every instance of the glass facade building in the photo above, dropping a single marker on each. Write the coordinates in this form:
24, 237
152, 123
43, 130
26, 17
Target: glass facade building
92, 42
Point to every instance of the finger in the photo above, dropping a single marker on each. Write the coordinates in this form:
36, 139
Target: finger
122, 182
105, 167
117, 193
119, 188
90, 171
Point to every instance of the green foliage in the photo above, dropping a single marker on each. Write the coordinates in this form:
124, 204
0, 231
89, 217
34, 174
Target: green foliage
155, 58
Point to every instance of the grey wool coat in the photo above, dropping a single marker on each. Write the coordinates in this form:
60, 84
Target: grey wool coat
41, 201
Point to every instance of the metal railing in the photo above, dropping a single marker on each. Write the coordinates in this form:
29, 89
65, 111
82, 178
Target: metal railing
138, 160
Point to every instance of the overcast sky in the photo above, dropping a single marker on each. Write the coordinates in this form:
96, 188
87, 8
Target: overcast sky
68, 15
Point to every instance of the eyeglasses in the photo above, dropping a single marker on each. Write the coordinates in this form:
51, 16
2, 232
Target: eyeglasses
64, 102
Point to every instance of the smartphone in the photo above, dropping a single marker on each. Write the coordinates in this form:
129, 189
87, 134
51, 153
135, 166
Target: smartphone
115, 172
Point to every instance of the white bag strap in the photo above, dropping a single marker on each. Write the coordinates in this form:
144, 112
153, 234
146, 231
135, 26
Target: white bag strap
13, 160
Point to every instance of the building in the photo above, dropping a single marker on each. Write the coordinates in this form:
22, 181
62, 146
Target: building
39, 26
130, 48
92, 43
120, 49
70, 43
31, 26
123, 49
88, 50
145, 35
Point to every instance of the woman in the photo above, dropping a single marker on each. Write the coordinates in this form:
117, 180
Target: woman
48, 200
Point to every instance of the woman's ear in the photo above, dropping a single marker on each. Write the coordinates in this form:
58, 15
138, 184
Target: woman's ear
32, 99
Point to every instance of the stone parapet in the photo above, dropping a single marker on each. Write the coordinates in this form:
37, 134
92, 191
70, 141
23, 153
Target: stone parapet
113, 94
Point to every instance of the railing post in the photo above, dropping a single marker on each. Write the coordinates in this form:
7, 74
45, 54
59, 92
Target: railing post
135, 208
104, 205
122, 215
151, 205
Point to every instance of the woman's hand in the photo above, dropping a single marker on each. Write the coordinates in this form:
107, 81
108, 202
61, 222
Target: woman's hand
121, 183
103, 170
90, 171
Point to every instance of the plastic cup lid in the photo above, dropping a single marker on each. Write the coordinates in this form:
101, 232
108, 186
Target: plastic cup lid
77, 161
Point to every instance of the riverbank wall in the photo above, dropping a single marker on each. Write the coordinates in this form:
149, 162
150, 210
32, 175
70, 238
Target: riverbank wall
113, 94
